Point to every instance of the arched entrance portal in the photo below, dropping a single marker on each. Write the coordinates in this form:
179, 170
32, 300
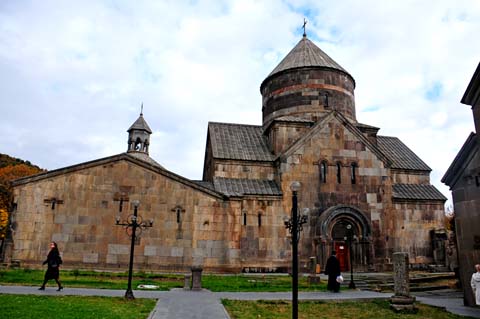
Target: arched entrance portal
339, 225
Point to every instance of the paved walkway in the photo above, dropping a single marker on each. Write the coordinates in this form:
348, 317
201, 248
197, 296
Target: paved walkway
180, 304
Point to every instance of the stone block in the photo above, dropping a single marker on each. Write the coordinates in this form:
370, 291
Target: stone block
177, 252
59, 219
60, 237
150, 250
117, 249
83, 220
372, 198
91, 258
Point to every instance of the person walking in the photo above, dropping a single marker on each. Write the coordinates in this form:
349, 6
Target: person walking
53, 262
332, 269
475, 283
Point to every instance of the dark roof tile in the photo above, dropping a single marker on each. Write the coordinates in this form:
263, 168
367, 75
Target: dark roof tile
140, 124
241, 186
239, 142
401, 156
306, 54
417, 192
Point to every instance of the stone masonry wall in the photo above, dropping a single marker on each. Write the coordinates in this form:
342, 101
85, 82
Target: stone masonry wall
244, 169
466, 198
208, 232
303, 91
410, 177
413, 223
370, 194
282, 135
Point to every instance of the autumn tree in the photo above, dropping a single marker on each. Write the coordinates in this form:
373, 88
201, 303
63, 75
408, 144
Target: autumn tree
16, 169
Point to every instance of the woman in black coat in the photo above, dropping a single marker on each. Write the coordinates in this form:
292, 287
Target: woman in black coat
53, 271
332, 269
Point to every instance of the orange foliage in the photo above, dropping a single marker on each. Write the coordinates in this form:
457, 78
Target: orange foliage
8, 174
3, 223
11, 172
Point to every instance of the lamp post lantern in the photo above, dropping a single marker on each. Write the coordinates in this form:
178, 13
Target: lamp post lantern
131, 224
295, 226
350, 238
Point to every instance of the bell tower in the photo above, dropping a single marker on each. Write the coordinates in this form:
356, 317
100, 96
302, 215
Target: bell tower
139, 136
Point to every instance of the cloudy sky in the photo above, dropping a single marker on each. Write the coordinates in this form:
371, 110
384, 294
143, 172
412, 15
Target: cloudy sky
73, 74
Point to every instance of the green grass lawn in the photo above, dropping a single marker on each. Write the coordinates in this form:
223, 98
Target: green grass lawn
327, 310
270, 283
89, 279
106, 280
70, 307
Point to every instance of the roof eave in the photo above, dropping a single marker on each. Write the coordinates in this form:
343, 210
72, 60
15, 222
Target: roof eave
451, 175
472, 93
272, 75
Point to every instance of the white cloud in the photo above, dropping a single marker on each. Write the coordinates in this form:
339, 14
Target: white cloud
73, 75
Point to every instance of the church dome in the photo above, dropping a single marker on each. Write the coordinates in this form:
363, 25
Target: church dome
306, 54
307, 83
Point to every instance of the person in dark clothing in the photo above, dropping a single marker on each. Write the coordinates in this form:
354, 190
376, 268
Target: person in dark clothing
332, 269
53, 263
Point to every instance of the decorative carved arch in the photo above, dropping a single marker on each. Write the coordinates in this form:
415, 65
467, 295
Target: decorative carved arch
343, 213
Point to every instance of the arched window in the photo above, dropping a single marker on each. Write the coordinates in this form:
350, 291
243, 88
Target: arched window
323, 172
244, 218
138, 144
353, 173
339, 172
145, 146
259, 219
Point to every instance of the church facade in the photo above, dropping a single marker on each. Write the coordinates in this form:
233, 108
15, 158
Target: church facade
233, 219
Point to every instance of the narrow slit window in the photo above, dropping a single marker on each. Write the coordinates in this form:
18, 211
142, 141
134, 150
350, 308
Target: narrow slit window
178, 215
353, 172
323, 172
244, 218
339, 173
259, 219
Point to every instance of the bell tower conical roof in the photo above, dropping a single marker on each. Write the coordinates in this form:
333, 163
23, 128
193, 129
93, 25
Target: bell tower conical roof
140, 124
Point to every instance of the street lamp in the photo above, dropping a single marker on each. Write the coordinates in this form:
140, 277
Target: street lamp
131, 224
295, 226
350, 238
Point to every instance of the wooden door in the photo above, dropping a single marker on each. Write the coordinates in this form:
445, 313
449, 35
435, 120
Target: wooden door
342, 254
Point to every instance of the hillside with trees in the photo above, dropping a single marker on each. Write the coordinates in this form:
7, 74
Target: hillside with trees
11, 168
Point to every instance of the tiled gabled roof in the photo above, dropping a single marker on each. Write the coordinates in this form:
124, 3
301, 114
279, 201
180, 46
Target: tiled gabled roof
400, 155
239, 142
205, 184
241, 186
144, 157
417, 192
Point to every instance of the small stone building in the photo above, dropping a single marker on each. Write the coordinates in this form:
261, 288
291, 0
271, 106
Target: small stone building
463, 178
233, 219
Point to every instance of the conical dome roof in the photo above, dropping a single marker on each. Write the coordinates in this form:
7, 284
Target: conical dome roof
306, 54
140, 124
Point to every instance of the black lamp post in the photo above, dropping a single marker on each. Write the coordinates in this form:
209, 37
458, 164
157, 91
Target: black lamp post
350, 238
295, 226
131, 224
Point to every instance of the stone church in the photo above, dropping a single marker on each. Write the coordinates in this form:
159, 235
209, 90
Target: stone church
463, 178
233, 219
